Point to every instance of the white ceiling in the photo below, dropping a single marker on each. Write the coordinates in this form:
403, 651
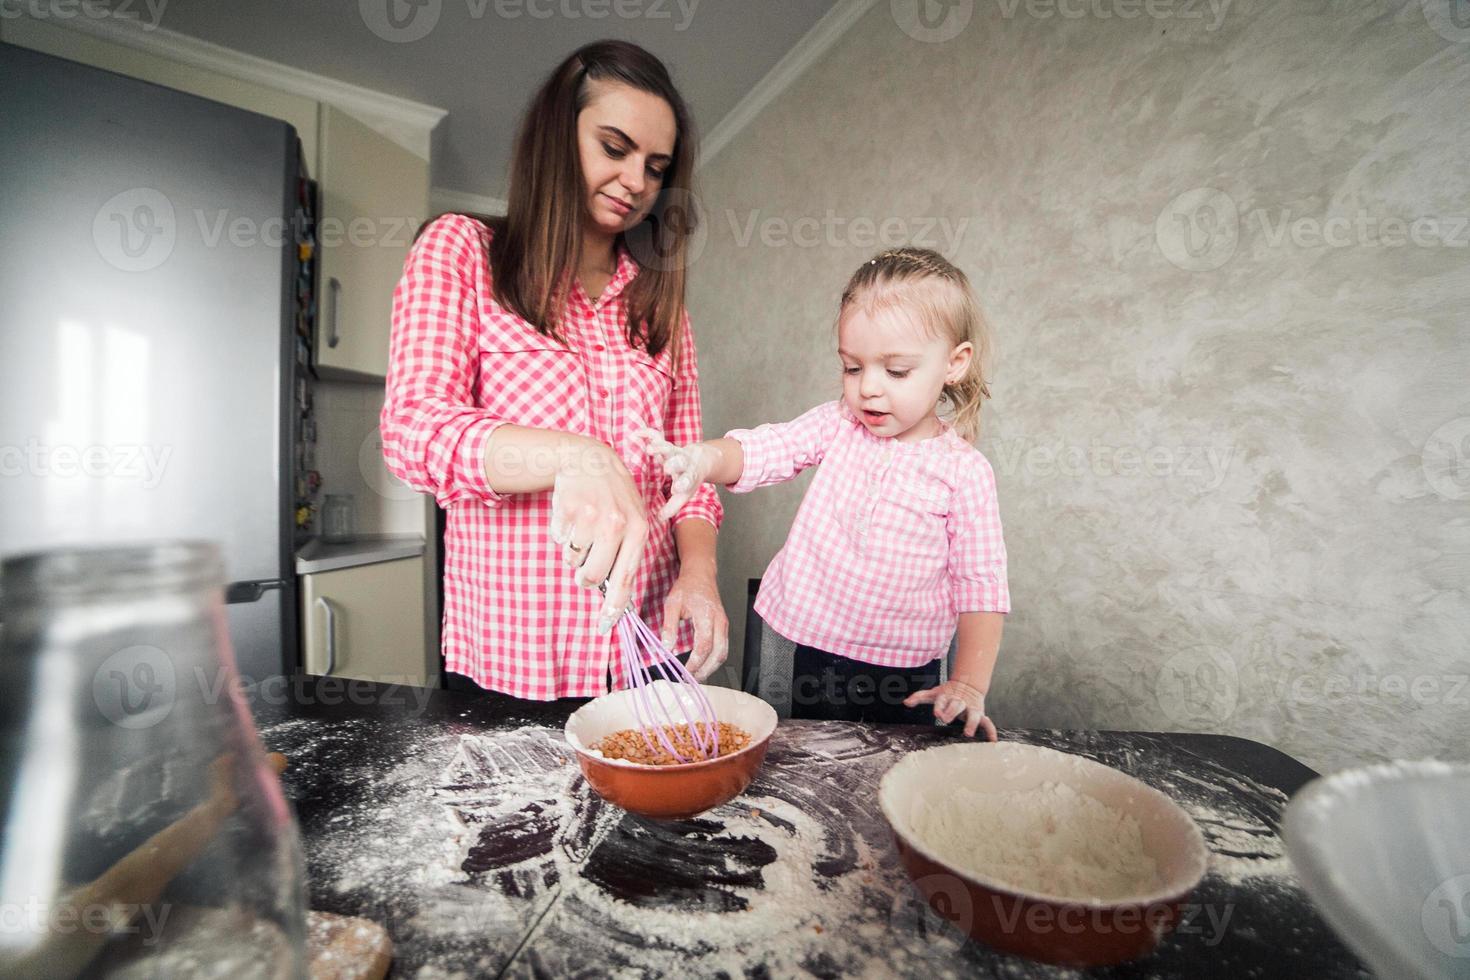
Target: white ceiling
482, 59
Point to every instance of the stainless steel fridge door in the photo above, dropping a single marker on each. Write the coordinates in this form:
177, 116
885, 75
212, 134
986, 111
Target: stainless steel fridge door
255, 633
142, 298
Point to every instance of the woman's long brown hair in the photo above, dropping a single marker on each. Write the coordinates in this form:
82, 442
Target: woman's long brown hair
537, 247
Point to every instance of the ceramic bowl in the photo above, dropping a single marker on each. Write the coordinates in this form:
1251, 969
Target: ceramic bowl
1381, 850
674, 792
1061, 929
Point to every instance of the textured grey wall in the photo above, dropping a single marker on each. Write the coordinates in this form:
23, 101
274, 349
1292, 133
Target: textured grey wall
1225, 253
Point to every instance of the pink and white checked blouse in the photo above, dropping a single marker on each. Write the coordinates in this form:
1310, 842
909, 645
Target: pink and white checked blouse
892, 541
460, 366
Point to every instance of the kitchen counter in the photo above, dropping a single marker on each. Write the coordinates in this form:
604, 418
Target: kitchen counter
462, 823
318, 555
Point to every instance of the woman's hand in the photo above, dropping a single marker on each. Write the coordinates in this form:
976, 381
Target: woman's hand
696, 597
598, 517
952, 699
688, 466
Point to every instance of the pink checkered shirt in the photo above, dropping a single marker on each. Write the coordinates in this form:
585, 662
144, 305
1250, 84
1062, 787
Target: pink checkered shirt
892, 542
461, 366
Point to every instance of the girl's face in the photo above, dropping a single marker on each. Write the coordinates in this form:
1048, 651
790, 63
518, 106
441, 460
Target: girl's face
893, 372
626, 140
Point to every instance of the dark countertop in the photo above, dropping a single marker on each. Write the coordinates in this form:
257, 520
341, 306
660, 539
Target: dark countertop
462, 823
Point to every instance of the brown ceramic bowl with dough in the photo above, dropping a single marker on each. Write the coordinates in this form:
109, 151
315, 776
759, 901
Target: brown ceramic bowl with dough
674, 792
1061, 929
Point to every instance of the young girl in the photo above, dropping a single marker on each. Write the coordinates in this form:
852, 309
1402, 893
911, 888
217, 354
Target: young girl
898, 540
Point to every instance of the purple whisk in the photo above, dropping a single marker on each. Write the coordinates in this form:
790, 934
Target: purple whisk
643, 655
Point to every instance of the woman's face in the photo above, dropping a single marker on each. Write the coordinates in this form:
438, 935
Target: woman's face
626, 140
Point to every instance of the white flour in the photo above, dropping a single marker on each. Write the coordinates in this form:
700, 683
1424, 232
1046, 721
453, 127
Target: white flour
399, 854
1050, 840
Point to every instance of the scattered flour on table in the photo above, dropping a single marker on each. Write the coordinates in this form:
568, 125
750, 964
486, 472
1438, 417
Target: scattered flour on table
1051, 840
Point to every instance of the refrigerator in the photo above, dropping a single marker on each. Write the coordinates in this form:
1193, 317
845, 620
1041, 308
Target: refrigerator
156, 297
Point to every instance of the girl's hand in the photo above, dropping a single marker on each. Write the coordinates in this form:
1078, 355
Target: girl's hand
952, 699
598, 517
695, 597
688, 466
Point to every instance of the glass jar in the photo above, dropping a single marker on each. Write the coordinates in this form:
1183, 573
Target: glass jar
339, 517
145, 831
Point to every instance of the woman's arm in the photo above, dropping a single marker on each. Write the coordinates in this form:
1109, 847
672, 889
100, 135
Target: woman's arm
439, 440
696, 597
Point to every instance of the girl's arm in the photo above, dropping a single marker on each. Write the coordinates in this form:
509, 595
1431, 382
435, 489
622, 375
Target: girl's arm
746, 458
974, 662
977, 571
977, 647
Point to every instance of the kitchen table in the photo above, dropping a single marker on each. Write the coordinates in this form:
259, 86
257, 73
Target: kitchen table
461, 823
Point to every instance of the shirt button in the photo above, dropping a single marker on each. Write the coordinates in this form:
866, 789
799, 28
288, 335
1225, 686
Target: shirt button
602, 392
599, 347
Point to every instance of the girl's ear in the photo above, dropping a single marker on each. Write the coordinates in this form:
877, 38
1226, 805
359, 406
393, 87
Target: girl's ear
959, 362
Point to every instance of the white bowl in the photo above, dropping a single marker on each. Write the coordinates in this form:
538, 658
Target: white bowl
1384, 852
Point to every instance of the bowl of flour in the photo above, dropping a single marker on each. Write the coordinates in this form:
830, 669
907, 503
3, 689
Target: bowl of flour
1042, 853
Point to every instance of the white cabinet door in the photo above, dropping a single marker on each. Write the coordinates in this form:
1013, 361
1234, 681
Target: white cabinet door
375, 194
367, 623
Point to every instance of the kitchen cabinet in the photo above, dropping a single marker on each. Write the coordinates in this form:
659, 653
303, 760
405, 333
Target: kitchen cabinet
367, 622
375, 194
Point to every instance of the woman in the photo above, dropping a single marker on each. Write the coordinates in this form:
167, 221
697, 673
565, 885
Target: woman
526, 351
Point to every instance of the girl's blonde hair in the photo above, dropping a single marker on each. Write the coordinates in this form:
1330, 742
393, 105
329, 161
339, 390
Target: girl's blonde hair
925, 283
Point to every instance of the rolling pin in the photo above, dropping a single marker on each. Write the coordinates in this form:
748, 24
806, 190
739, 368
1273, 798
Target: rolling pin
139, 878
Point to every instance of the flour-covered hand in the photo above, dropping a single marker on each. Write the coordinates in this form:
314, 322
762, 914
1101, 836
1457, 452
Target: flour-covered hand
686, 466
952, 699
696, 597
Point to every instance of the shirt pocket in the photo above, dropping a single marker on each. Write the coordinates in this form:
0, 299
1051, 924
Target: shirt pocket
534, 382
650, 383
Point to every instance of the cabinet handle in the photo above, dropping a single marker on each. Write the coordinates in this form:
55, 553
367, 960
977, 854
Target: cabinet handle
331, 612
334, 286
